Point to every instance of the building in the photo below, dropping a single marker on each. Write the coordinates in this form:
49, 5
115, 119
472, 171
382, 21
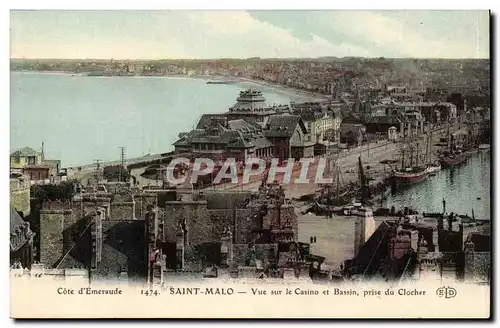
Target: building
21, 240
352, 130
32, 163
322, 122
208, 119
237, 133
251, 129
104, 233
411, 124
250, 106
382, 124
289, 135
392, 134
25, 157
237, 139
236, 234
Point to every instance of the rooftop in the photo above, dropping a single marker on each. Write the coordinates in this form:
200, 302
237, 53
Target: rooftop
123, 245
283, 125
251, 101
20, 232
23, 152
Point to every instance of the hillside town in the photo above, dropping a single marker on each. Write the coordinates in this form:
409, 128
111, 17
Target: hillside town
381, 124
329, 75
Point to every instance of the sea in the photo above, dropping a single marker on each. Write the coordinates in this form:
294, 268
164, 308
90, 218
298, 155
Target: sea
81, 119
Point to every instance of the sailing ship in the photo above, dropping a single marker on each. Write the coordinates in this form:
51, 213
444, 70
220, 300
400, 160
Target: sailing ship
413, 173
410, 175
432, 167
473, 145
452, 159
453, 155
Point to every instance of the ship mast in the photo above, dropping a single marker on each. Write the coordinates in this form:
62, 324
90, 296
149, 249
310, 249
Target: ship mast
448, 134
365, 189
428, 149
416, 157
411, 153
338, 182
403, 151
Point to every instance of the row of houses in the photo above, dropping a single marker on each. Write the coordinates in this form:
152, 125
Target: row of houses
251, 128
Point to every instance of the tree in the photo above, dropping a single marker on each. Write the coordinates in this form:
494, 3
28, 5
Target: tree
115, 173
54, 192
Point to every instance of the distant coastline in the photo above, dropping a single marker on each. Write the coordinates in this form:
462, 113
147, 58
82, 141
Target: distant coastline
300, 95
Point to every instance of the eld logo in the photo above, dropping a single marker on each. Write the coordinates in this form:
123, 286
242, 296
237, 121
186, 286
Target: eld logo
446, 292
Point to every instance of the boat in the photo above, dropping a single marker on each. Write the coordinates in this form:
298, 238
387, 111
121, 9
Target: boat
96, 74
453, 154
472, 151
410, 175
452, 159
433, 169
220, 82
414, 172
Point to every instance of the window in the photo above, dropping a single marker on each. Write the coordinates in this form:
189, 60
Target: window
31, 160
17, 159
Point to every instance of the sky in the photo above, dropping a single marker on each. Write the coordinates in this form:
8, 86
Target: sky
244, 34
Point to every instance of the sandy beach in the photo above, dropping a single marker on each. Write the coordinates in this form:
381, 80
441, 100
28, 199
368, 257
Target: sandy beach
297, 94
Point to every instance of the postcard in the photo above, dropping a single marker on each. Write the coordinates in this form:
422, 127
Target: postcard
250, 164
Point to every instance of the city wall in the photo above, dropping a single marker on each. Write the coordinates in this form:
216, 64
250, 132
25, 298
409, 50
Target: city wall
20, 196
224, 200
55, 217
206, 225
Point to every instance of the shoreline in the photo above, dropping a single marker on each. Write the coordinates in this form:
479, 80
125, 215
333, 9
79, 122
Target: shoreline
291, 93
298, 94
301, 94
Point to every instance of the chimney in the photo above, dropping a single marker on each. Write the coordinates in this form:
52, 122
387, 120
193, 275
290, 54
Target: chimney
470, 263
435, 239
96, 235
440, 223
181, 243
364, 227
152, 224
157, 273
422, 249
226, 248
414, 239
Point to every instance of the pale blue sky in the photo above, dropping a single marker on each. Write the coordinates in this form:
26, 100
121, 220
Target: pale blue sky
240, 34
